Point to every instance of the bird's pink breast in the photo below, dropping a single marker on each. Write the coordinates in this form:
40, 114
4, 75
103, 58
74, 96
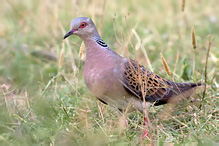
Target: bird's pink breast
99, 70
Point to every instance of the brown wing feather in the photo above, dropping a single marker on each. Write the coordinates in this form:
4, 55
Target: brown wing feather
145, 84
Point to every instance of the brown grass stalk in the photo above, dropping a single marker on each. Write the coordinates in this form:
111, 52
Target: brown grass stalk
183, 5
206, 67
145, 108
167, 69
193, 38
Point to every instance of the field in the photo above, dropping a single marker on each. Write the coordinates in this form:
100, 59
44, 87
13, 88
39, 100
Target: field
43, 97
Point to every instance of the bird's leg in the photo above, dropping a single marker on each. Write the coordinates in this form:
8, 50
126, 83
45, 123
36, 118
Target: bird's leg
146, 105
122, 122
146, 129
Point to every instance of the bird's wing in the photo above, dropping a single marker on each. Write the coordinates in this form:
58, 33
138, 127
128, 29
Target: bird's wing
143, 83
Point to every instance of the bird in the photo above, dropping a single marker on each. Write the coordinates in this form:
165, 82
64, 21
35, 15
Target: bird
121, 82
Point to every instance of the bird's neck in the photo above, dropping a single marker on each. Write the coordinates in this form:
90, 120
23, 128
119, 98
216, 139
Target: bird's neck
98, 53
95, 46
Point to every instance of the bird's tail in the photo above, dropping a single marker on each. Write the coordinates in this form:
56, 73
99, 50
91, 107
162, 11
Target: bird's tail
180, 91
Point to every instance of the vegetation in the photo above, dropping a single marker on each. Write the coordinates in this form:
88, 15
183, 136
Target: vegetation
43, 97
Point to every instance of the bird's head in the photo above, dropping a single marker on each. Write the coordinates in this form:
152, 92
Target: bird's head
82, 27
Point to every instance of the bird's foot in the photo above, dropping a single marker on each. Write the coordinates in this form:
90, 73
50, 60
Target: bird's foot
145, 134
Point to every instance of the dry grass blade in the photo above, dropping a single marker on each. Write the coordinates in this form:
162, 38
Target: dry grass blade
193, 38
60, 62
114, 28
81, 50
167, 69
61, 56
68, 46
175, 66
143, 49
214, 75
100, 111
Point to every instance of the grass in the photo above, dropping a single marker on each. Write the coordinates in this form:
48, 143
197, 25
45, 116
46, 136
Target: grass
44, 100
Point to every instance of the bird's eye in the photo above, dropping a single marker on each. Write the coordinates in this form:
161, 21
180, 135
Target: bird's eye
83, 25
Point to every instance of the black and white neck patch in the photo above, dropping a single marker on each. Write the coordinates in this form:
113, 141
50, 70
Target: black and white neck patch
100, 42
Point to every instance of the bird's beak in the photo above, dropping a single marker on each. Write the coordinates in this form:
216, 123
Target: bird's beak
68, 34
71, 32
